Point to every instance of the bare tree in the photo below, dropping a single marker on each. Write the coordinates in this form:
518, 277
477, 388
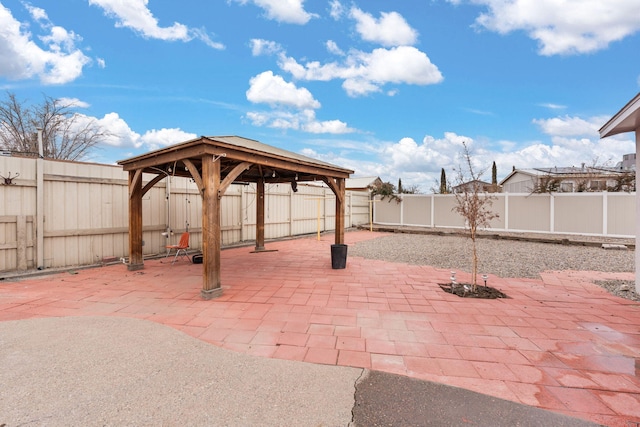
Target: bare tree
65, 134
625, 181
412, 189
474, 205
547, 184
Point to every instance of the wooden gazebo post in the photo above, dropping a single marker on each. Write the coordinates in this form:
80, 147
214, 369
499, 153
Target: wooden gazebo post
260, 215
211, 238
136, 261
340, 200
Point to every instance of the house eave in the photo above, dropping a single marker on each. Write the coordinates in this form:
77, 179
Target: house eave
625, 120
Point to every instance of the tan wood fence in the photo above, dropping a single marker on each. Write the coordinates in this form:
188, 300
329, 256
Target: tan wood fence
82, 210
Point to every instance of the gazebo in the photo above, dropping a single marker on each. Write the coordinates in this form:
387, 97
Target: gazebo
628, 120
214, 162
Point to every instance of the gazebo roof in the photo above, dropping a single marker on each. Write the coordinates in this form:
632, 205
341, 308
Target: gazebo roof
625, 120
267, 162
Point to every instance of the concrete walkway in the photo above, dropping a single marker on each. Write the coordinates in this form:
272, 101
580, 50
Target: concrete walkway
560, 343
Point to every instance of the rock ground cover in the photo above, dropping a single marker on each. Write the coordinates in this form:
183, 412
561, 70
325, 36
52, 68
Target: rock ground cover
504, 258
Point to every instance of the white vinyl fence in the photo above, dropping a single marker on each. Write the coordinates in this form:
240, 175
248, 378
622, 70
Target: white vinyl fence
596, 213
82, 212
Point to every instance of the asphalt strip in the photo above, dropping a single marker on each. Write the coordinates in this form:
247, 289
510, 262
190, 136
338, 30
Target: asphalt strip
384, 399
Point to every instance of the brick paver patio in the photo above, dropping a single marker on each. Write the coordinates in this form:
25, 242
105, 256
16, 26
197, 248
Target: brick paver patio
560, 343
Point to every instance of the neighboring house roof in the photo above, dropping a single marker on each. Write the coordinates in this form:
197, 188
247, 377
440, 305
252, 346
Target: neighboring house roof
361, 182
566, 172
483, 184
530, 172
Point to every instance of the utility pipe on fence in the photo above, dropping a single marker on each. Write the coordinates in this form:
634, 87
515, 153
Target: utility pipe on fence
318, 199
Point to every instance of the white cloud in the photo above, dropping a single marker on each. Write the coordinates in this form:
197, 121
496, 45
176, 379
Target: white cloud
390, 30
264, 47
552, 106
274, 90
416, 163
304, 121
122, 136
332, 47
573, 141
135, 15
328, 126
364, 73
202, 35
154, 139
563, 27
429, 157
571, 126
336, 10
292, 107
21, 58
72, 102
287, 11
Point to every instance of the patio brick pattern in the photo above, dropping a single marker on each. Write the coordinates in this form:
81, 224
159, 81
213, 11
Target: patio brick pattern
560, 343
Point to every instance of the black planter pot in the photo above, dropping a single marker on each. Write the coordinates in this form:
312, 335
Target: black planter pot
338, 256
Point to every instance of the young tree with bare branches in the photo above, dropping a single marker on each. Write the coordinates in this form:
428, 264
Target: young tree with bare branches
474, 205
66, 134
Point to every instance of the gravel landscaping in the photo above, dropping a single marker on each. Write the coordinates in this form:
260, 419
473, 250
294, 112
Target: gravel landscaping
504, 258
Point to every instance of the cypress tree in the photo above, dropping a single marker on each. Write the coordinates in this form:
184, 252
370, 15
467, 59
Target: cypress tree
443, 182
494, 174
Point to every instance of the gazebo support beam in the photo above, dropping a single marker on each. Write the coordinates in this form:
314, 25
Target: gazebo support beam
211, 238
338, 186
260, 215
340, 199
136, 261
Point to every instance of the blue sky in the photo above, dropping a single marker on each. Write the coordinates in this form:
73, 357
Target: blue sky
386, 88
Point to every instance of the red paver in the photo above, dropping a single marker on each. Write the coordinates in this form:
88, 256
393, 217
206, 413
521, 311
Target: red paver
559, 343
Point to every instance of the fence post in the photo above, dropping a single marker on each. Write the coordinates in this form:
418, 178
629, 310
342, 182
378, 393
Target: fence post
605, 212
350, 209
242, 212
506, 211
433, 210
21, 241
324, 209
291, 193
552, 213
40, 204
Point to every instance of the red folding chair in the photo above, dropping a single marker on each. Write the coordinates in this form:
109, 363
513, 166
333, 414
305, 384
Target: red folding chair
180, 248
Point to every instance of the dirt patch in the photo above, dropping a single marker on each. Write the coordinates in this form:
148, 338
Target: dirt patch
465, 290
